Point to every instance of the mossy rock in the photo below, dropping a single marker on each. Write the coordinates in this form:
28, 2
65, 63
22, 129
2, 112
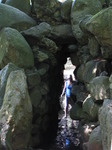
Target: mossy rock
12, 17
15, 49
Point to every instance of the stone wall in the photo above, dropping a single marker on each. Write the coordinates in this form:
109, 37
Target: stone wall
35, 42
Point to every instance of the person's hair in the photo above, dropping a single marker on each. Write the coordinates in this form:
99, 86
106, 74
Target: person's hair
71, 79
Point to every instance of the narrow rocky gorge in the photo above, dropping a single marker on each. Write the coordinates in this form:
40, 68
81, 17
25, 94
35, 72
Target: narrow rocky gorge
36, 38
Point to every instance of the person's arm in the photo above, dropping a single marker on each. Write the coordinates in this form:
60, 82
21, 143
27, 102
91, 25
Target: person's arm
64, 88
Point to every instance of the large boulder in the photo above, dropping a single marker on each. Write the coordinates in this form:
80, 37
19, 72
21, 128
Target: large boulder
62, 34
98, 23
86, 72
12, 17
16, 113
4, 74
95, 140
105, 118
15, 49
81, 8
99, 88
93, 69
76, 112
91, 108
20, 4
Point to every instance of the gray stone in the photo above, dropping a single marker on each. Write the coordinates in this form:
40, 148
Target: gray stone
51, 13
15, 49
76, 112
39, 31
15, 18
49, 45
92, 69
91, 108
99, 88
98, 23
81, 8
16, 113
4, 74
20, 4
62, 34
105, 118
95, 140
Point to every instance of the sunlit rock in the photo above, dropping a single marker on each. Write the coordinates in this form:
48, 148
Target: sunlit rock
99, 88
91, 70
4, 74
91, 109
15, 49
16, 113
81, 8
100, 26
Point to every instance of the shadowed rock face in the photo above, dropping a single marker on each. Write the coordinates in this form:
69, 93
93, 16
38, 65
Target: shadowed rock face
48, 11
79, 29
102, 22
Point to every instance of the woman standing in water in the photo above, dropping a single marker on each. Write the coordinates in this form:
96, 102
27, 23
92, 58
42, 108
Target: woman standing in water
67, 91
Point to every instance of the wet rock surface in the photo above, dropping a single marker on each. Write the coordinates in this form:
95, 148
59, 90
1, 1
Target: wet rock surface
68, 136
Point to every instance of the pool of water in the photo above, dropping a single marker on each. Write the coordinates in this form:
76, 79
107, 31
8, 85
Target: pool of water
68, 136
